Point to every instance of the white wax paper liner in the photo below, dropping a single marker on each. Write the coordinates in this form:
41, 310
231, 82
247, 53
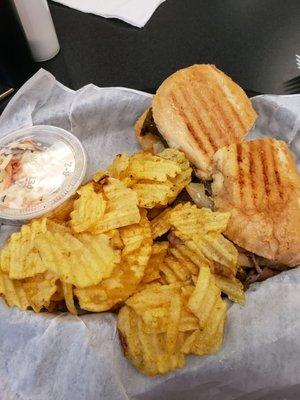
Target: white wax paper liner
61, 357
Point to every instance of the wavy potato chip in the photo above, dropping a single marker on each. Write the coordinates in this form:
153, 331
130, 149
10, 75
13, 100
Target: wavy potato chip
127, 275
232, 287
19, 257
147, 352
118, 168
188, 247
162, 322
159, 309
13, 292
181, 180
101, 249
160, 178
115, 239
208, 340
152, 270
152, 194
156, 179
121, 208
190, 257
162, 223
62, 212
191, 220
187, 258
200, 231
175, 271
153, 168
153, 305
35, 292
204, 296
56, 226
174, 323
40, 289
216, 247
188, 321
89, 208
81, 261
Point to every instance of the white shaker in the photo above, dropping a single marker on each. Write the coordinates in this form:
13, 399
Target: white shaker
39, 29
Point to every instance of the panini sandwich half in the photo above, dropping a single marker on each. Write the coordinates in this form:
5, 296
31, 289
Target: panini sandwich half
258, 183
198, 109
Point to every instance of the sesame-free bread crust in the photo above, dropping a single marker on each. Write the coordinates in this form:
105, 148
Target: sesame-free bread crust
258, 183
199, 109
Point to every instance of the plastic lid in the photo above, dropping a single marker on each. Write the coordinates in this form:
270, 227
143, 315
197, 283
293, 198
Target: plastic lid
40, 168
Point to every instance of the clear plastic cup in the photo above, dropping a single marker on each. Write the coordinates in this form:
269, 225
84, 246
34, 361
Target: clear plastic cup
40, 168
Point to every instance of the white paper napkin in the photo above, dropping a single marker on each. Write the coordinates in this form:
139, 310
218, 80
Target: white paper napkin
134, 12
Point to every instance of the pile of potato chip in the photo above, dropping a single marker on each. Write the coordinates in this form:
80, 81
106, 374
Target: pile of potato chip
123, 244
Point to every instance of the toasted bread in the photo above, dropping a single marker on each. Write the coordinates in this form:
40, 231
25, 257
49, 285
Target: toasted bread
199, 110
258, 183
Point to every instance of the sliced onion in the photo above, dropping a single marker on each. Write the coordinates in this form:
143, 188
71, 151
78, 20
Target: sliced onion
197, 193
158, 147
6, 160
243, 260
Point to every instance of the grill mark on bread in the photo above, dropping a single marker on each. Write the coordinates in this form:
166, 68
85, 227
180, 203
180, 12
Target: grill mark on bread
197, 114
206, 100
252, 173
265, 171
211, 139
225, 132
200, 122
258, 177
226, 128
224, 136
258, 186
273, 229
227, 109
276, 170
248, 192
274, 193
231, 110
236, 193
188, 124
240, 176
